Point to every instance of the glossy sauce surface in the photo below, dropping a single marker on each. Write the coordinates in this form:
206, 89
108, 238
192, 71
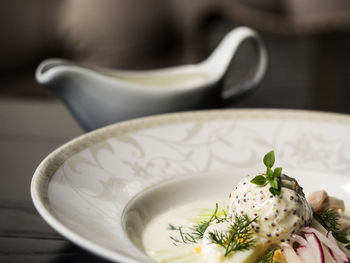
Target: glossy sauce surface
156, 238
163, 80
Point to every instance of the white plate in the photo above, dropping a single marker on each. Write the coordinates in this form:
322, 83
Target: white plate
91, 190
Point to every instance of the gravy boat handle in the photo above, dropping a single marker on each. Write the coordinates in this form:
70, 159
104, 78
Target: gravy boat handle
219, 61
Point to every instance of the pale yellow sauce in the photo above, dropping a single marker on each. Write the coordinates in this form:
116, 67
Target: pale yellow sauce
277, 217
156, 238
175, 80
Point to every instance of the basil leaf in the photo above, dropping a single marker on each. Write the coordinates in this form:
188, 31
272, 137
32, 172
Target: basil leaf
259, 180
274, 191
269, 173
271, 176
274, 183
277, 172
269, 159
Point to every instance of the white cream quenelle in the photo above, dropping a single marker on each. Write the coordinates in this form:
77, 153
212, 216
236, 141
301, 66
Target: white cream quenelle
277, 216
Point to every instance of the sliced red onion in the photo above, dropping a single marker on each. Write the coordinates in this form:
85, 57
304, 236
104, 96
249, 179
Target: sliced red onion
334, 256
327, 242
328, 258
299, 239
316, 247
290, 255
331, 237
305, 254
334, 241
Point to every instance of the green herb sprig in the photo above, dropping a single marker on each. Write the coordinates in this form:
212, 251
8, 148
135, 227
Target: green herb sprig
268, 258
271, 176
238, 237
329, 220
184, 236
199, 229
196, 231
342, 239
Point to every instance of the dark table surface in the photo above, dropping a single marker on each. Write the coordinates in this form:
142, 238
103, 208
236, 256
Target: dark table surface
305, 72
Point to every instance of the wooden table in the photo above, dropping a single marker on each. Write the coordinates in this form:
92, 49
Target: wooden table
304, 72
29, 131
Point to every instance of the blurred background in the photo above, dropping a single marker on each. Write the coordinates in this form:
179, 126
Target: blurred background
309, 68
308, 43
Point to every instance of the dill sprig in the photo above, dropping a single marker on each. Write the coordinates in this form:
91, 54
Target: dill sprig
268, 258
197, 230
328, 219
342, 239
238, 237
185, 237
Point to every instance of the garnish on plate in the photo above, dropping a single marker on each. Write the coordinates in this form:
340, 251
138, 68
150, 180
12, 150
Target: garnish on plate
342, 239
199, 229
196, 231
269, 257
185, 237
271, 176
264, 225
330, 221
239, 237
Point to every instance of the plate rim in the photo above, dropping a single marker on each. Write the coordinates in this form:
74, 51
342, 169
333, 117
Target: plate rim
49, 165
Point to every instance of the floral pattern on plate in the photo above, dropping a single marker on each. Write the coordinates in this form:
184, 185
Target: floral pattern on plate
82, 188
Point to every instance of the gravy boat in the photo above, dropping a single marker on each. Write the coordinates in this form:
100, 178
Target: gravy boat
99, 96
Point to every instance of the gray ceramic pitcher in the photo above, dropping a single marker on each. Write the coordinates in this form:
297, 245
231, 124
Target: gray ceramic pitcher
98, 96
